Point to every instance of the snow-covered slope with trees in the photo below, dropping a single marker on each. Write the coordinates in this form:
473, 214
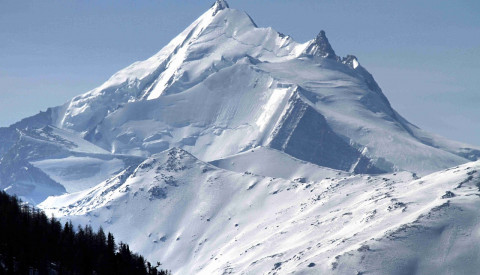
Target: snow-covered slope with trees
204, 220
237, 150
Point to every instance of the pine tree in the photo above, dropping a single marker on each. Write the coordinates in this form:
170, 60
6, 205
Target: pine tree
32, 242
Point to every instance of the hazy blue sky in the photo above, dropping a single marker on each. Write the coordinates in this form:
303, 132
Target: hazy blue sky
424, 54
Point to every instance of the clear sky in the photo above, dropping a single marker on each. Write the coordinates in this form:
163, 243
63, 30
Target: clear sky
424, 54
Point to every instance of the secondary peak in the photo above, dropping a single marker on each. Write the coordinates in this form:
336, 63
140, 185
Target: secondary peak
321, 47
324, 47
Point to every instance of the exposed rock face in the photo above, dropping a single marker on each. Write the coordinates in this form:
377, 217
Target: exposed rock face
321, 47
219, 5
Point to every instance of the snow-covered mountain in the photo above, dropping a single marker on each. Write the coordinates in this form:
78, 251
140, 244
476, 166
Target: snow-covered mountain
199, 219
219, 89
237, 150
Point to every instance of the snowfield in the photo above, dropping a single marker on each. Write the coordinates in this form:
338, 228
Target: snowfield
237, 150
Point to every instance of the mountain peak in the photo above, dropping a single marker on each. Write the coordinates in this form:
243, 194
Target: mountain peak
219, 5
321, 47
322, 35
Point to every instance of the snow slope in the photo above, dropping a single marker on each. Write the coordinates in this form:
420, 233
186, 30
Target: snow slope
50, 161
200, 219
269, 162
79, 173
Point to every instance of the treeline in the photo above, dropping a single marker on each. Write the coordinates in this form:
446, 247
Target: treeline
32, 243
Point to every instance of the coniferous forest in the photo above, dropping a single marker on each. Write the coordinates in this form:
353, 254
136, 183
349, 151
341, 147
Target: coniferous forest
32, 243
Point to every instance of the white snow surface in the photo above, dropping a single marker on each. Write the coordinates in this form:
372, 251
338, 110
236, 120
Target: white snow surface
199, 219
79, 173
273, 163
